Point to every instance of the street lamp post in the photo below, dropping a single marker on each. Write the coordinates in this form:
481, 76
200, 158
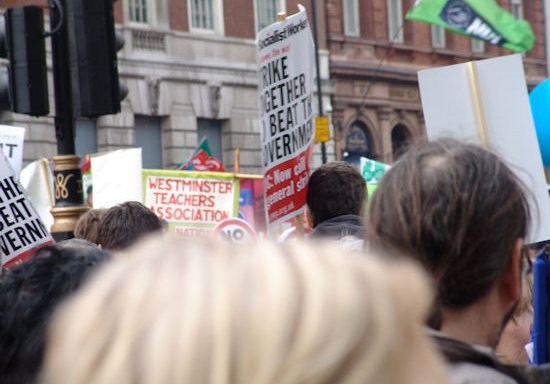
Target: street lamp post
69, 202
317, 68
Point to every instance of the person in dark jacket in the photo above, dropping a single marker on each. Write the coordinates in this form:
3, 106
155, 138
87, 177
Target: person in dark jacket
462, 213
336, 196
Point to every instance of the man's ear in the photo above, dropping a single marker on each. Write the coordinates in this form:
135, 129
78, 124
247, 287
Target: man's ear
511, 279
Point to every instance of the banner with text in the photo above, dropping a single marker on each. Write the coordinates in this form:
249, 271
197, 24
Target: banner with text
251, 202
192, 203
286, 71
21, 230
11, 142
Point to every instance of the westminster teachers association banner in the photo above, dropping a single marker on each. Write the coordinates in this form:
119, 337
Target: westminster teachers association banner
191, 203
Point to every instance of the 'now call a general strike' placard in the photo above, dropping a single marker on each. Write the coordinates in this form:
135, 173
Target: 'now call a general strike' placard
286, 73
192, 203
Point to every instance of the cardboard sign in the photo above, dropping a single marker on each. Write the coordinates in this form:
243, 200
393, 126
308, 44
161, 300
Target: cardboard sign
21, 230
11, 142
286, 72
486, 103
116, 177
192, 203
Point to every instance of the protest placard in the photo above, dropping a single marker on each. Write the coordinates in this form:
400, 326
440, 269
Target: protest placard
251, 201
192, 203
21, 230
486, 103
11, 142
372, 171
116, 177
286, 72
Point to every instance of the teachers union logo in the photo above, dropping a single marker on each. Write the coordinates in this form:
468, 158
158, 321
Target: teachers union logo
457, 14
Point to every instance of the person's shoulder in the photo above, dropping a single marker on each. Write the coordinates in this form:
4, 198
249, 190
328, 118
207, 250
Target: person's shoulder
470, 373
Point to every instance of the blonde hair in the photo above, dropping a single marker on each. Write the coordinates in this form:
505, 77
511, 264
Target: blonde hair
172, 311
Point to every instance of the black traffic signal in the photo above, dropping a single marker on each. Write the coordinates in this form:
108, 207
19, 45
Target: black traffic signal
22, 42
93, 46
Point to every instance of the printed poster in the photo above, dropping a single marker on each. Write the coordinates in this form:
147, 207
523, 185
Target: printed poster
285, 73
11, 142
21, 229
192, 203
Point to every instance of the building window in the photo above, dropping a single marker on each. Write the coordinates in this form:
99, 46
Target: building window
351, 17
478, 46
266, 12
358, 143
438, 37
400, 140
138, 11
212, 130
85, 138
148, 137
395, 21
206, 15
517, 9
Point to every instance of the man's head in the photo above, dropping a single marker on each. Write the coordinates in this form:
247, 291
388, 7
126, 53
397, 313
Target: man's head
459, 210
87, 226
121, 225
335, 189
29, 294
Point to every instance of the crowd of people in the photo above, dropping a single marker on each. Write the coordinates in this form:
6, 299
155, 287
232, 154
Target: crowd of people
425, 281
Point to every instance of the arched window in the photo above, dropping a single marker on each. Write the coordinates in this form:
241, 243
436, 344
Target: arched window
358, 143
400, 140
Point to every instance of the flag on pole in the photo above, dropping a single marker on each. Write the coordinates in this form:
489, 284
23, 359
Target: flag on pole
202, 160
481, 19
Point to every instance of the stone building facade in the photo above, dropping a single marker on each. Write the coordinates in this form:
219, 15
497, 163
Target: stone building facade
374, 59
190, 67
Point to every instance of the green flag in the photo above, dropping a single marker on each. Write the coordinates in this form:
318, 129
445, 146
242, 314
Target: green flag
203, 146
372, 171
482, 19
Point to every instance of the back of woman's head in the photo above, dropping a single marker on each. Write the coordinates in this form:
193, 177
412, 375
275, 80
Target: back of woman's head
455, 207
209, 312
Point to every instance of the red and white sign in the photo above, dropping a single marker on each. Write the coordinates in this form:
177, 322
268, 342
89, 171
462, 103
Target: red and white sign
236, 230
21, 229
286, 73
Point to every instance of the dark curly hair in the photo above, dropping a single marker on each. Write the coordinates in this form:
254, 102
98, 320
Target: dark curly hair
335, 189
120, 226
29, 294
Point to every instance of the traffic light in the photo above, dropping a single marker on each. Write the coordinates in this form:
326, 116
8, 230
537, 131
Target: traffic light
93, 46
22, 42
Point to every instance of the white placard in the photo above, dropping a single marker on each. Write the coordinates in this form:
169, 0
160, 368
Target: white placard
285, 72
11, 142
37, 179
21, 230
449, 113
116, 177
